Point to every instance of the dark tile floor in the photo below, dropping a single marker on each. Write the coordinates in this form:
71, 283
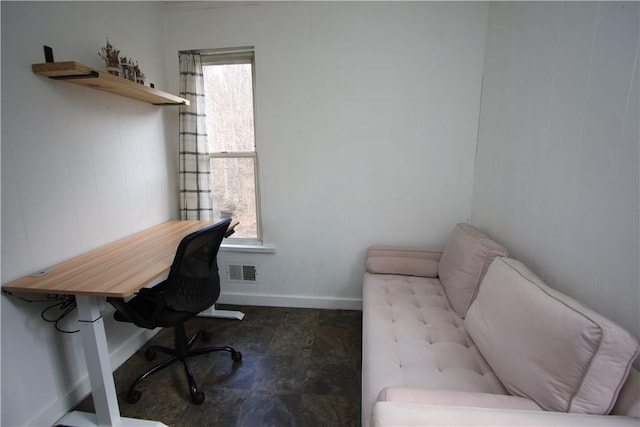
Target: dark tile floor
300, 367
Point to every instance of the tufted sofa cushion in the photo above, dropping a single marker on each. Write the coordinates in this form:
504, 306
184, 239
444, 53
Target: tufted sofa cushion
412, 337
546, 346
463, 264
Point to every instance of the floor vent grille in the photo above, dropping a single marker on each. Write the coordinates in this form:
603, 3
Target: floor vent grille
242, 273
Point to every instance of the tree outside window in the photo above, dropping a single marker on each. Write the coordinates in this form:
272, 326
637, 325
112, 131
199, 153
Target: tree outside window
230, 130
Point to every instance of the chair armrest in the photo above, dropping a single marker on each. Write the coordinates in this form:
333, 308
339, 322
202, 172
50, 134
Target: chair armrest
143, 309
387, 414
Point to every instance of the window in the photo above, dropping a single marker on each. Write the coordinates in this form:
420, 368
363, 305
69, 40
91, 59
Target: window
229, 86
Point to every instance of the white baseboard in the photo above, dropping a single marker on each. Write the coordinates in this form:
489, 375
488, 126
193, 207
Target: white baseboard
291, 301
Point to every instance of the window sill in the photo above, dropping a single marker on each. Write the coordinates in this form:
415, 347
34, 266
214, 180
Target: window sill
257, 248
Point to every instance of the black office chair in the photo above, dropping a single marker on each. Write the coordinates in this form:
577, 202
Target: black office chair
193, 285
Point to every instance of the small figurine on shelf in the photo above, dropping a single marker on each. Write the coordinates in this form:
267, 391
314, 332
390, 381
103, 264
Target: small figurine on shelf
139, 74
111, 59
128, 69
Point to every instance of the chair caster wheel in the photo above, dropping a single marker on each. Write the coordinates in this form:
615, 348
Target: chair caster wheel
133, 396
205, 335
150, 354
236, 356
198, 398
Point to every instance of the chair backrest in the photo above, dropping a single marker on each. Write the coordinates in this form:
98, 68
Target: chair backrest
193, 282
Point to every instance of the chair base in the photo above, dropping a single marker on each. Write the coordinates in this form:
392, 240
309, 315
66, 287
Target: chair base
182, 351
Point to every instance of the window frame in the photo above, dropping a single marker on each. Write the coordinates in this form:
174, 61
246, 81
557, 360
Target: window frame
230, 56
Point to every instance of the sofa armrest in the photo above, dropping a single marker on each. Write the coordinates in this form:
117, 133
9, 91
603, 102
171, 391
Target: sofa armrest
387, 414
404, 251
403, 261
628, 402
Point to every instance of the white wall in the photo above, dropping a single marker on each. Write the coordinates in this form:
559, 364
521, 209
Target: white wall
557, 177
366, 130
79, 168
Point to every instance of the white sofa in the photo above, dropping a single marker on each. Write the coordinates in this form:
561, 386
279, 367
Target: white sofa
468, 336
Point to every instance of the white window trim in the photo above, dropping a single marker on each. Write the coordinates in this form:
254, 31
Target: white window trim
241, 55
247, 247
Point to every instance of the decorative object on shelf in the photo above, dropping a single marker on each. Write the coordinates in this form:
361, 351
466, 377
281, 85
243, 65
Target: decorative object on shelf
139, 74
111, 58
128, 69
48, 54
121, 66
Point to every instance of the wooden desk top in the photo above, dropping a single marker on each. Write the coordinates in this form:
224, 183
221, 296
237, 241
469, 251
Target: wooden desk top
117, 269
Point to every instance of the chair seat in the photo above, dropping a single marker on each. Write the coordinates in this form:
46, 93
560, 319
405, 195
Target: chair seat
165, 319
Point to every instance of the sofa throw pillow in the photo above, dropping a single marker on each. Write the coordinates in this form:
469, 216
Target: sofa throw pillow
403, 266
546, 346
464, 263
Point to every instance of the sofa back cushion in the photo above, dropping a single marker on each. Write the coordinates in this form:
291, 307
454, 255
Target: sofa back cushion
463, 264
546, 346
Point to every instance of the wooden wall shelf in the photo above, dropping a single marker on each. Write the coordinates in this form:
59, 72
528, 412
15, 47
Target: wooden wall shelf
76, 73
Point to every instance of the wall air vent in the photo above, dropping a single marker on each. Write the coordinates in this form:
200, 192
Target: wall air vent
242, 273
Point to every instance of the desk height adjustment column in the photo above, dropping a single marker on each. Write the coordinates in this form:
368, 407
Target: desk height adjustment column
105, 399
98, 364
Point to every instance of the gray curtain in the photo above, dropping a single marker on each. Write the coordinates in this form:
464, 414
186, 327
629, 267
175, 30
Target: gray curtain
195, 192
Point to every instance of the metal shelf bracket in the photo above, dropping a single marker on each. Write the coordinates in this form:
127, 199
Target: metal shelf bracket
91, 75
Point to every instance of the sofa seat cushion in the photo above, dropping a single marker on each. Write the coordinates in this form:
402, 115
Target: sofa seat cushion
392, 414
546, 346
463, 264
411, 337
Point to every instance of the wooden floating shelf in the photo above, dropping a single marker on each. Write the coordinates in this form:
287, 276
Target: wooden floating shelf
79, 74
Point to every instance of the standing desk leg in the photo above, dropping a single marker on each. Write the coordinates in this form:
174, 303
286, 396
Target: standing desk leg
221, 314
94, 341
96, 353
